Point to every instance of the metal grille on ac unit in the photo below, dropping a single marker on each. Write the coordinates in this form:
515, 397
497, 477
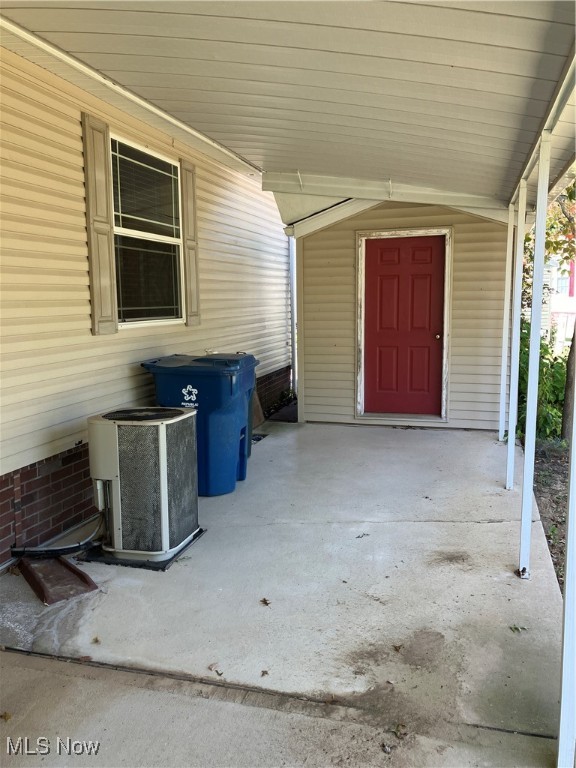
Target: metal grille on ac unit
143, 463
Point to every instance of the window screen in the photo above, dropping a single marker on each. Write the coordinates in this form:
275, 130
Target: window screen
146, 235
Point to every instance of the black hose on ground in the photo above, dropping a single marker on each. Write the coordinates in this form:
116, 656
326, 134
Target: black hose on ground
44, 552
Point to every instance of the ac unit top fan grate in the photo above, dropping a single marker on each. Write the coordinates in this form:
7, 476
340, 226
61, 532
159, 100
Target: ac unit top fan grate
143, 414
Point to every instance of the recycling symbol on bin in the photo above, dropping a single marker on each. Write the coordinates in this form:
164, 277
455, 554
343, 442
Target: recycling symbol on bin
189, 393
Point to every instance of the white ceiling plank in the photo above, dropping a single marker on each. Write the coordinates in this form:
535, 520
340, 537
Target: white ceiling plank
536, 82
538, 10
498, 110
123, 26
299, 146
428, 19
222, 115
484, 169
137, 70
416, 113
357, 16
313, 141
355, 74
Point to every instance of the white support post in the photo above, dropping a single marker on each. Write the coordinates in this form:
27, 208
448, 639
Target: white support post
506, 325
515, 350
293, 307
301, 328
534, 359
567, 730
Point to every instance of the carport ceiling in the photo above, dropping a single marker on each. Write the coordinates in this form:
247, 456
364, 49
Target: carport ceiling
448, 96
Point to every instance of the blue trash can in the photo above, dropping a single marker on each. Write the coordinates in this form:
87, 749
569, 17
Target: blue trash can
219, 387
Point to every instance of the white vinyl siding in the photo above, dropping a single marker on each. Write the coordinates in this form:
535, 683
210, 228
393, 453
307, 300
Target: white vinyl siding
55, 373
327, 326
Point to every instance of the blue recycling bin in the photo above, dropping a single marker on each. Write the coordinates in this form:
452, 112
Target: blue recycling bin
219, 387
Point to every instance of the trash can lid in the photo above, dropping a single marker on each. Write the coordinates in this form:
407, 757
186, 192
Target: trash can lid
226, 360
216, 363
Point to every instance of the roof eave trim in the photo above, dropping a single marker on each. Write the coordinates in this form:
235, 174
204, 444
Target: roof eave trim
333, 215
363, 189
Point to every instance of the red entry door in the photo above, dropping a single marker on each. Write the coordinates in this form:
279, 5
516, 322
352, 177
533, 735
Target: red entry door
403, 330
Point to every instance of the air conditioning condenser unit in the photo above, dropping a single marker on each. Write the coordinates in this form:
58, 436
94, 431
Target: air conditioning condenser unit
143, 463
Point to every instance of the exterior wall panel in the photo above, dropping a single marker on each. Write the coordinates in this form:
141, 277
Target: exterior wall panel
55, 372
327, 329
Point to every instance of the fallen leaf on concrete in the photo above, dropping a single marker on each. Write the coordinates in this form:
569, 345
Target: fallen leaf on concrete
264, 673
397, 648
5, 716
212, 667
390, 682
362, 535
332, 700
400, 731
96, 640
387, 748
516, 628
265, 601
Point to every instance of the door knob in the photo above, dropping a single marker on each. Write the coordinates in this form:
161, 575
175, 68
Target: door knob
437, 335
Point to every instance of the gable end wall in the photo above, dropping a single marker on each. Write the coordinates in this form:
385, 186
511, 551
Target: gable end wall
328, 311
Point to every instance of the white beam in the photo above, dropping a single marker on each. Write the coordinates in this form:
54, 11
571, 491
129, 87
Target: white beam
515, 348
302, 183
534, 359
333, 215
506, 325
293, 312
295, 208
491, 214
567, 729
301, 329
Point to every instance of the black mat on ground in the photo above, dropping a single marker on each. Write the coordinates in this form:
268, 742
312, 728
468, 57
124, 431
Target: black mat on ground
98, 555
288, 413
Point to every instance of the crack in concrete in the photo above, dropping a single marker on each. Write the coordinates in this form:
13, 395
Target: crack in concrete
365, 522
328, 707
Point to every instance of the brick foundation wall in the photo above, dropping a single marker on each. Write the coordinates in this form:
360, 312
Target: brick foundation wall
42, 500
271, 386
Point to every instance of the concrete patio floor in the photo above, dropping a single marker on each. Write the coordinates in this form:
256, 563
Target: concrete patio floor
387, 556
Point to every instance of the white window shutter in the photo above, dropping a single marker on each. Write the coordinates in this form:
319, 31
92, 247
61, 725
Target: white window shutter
100, 225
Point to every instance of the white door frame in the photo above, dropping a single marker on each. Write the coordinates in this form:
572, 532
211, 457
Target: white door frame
361, 238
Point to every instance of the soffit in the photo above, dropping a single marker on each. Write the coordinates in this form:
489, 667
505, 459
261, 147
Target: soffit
445, 96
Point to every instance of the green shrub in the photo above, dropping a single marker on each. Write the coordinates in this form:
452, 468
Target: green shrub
551, 385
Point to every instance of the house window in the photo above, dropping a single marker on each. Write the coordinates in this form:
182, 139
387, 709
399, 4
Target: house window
147, 236
563, 284
141, 227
